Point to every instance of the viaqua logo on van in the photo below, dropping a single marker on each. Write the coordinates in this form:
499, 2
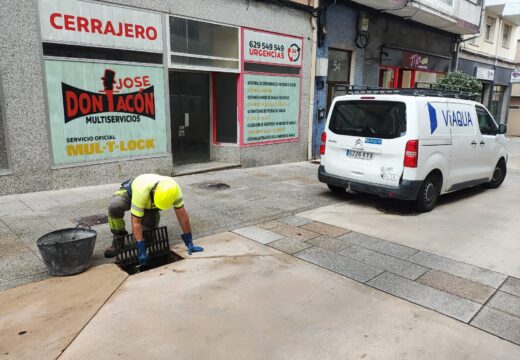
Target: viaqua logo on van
453, 118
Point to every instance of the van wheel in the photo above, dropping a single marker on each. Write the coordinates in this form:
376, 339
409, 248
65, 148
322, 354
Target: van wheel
336, 189
499, 174
429, 194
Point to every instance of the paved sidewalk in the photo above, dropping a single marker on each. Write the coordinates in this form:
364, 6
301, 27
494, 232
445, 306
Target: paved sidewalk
243, 300
254, 195
483, 298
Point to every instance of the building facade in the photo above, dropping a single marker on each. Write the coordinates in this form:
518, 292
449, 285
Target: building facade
490, 54
97, 92
513, 120
389, 44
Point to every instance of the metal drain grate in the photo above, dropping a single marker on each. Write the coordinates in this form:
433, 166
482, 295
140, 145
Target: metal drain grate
157, 244
92, 220
213, 186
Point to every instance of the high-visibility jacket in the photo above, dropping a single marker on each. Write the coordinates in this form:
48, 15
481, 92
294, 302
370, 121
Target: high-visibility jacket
142, 193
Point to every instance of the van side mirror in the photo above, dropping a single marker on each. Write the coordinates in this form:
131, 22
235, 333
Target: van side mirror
502, 128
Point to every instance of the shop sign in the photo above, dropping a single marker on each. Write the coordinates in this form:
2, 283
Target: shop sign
270, 48
413, 60
271, 108
104, 111
515, 76
484, 73
94, 24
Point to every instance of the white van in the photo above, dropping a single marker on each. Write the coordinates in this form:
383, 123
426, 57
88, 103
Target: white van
410, 147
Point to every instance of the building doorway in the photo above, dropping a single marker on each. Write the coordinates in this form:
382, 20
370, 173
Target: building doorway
190, 116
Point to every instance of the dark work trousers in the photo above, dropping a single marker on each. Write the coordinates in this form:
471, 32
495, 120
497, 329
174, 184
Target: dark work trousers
120, 203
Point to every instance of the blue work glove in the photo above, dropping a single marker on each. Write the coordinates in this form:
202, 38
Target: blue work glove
143, 255
188, 241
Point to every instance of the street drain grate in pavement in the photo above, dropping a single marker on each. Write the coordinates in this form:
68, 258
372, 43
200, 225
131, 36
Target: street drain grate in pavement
155, 262
213, 186
397, 210
93, 220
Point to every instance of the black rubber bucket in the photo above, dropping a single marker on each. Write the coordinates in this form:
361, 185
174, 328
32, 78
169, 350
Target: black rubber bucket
67, 251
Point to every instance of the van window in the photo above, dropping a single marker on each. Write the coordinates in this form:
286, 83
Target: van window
381, 119
485, 122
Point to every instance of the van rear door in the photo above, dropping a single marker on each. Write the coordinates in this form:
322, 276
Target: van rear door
365, 141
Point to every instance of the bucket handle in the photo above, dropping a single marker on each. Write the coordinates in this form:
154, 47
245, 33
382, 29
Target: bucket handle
84, 224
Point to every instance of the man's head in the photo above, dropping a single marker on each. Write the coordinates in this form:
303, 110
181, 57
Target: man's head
165, 194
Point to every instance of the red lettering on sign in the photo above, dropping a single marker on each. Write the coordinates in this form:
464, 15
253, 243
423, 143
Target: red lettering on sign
139, 103
121, 104
109, 29
146, 80
53, 21
95, 26
82, 24
151, 33
72, 103
139, 32
129, 30
69, 22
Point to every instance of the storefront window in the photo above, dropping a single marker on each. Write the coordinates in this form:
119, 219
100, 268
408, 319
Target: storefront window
3, 137
387, 78
225, 107
428, 77
198, 44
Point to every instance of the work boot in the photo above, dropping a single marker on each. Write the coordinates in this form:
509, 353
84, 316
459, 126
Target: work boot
117, 244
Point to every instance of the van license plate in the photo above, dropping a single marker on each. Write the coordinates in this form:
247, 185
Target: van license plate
357, 154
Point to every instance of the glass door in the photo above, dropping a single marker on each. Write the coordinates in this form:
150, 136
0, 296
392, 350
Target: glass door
189, 111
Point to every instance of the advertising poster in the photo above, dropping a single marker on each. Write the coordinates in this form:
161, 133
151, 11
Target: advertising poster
105, 111
271, 108
272, 49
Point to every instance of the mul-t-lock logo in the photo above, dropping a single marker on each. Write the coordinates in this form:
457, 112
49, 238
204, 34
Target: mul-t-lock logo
293, 52
78, 102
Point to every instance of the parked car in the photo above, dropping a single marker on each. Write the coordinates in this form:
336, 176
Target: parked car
411, 147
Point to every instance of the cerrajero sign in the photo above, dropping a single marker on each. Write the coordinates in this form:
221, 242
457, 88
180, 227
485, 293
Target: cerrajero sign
271, 48
105, 111
88, 23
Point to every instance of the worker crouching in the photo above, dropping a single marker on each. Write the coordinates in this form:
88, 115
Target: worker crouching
145, 196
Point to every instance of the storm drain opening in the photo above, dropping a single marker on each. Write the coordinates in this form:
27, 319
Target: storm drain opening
213, 185
92, 220
158, 247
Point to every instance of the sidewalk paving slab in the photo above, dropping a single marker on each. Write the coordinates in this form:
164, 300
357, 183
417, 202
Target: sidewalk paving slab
39, 320
339, 264
289, 245
505, 302
379, 245
455, 285
259, 306
443, 302
329, 243
500, 324
385, 262
258, 234
511, 286
466, 271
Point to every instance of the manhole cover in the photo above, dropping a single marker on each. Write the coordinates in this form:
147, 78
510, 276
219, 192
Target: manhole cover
214, 186
93, 219
396, 210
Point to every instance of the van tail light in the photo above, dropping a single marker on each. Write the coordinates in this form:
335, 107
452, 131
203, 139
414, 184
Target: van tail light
411, 153
323, 141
